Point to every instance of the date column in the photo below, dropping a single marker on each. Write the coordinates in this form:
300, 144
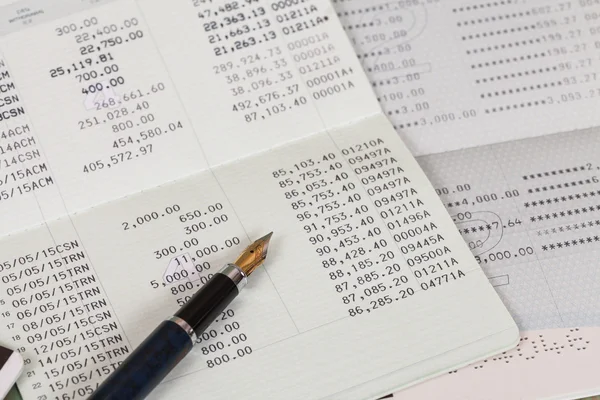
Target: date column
55, 312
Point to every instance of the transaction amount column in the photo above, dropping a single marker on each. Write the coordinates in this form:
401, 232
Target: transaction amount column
95, 81
155, 249
332, 243
361, 229
244, 69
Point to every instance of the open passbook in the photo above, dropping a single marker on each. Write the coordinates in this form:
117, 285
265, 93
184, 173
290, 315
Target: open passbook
142, 143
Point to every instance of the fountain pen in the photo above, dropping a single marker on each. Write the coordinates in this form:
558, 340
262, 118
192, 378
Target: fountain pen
173, 339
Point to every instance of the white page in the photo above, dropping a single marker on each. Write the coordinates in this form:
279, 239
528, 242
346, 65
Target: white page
112, 181
305, 307
452, 74
170, 102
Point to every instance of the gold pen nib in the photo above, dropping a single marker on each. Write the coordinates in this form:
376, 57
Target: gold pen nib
254, 255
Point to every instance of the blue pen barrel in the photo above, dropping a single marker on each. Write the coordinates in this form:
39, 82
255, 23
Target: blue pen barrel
147, 366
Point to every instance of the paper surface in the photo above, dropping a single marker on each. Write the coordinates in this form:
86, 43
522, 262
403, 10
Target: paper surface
144, 144
454, 74
531, 216
535, 370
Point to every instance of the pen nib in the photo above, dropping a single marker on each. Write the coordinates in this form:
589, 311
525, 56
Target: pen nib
254, 255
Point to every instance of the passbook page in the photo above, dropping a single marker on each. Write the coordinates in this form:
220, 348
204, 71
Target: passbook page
144, 144
111, 99
452, 74
530, 212
366, 289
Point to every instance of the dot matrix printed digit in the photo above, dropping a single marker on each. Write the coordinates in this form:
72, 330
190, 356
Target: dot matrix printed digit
453, 74
530, 212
